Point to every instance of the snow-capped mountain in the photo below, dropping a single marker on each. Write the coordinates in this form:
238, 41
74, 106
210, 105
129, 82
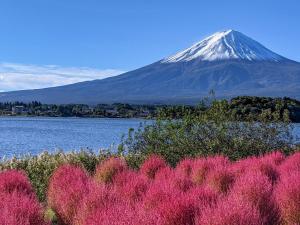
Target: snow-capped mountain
229, 44
228, 62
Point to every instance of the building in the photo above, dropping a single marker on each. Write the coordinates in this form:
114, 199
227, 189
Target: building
19, 109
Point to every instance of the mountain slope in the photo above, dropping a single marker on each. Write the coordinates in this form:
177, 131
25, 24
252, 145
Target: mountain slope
226, 45
229, 62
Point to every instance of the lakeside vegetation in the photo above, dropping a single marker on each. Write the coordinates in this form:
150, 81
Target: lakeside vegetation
208, 133
196, 157
260, 190
242, 108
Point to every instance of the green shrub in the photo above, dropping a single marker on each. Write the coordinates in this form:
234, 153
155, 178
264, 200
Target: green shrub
214, 131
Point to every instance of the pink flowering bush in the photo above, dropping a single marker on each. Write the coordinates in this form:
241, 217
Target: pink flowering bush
98, 199
67, 186
18, 202
19, 209
176, 211
185, 167
221, 179
261, 190
256, 189
152, 165
15, 181
287, 194
230, 211
107, 170
131, 186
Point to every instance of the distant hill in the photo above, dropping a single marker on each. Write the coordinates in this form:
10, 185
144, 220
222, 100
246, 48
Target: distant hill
228, 62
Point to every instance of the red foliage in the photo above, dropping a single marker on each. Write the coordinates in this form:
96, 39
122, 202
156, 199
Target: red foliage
175, 180
185, 167
291, 164
255, 189
120, 214
228, 212
152, 165
275, 158
19, 209
200, 170
218, 161
221, 179
14, 181
99, 198
178, 210
107, 170
203, 198
288, 198
158, 193
131, 186
203, 191
67, 187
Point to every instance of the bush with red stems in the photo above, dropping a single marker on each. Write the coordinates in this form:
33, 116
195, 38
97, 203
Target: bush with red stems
15, 181
67, 186
99, 198
19, 209
218, 161
256, 189
202, 191
230, 212
174, 180
120, 214
131, 186
203, 198
185, 167
201, 168
165, 174
152, 165
268, 169
242, 166
178, 210
220, 180
108, 169
275, 158
291, 164
288, 198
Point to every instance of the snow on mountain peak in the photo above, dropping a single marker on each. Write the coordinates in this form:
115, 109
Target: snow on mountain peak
229, 44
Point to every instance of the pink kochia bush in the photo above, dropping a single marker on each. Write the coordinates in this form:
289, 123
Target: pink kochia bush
67, 186
107, 170
18, 203
261, 190
201, 191
15, 181
288, 197
152, 165
230, 211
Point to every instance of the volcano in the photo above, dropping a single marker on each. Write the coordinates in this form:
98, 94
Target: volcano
228, 62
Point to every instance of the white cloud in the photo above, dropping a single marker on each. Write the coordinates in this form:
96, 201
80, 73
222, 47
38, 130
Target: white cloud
21, 76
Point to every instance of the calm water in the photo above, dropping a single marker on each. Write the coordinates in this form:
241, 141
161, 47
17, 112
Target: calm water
19, 135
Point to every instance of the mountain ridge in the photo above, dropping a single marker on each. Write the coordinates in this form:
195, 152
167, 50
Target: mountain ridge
224, 45
185, 81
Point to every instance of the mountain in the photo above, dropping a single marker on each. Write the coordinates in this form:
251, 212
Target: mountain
226, 45
228, 62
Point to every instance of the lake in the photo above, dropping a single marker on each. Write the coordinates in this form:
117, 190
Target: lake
21, 135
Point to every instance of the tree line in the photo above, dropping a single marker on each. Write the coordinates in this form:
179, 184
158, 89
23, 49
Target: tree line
243, 108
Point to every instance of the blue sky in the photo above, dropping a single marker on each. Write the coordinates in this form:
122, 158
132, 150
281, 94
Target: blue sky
53, 42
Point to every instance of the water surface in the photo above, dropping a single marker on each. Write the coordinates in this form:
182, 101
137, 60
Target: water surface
21, 135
